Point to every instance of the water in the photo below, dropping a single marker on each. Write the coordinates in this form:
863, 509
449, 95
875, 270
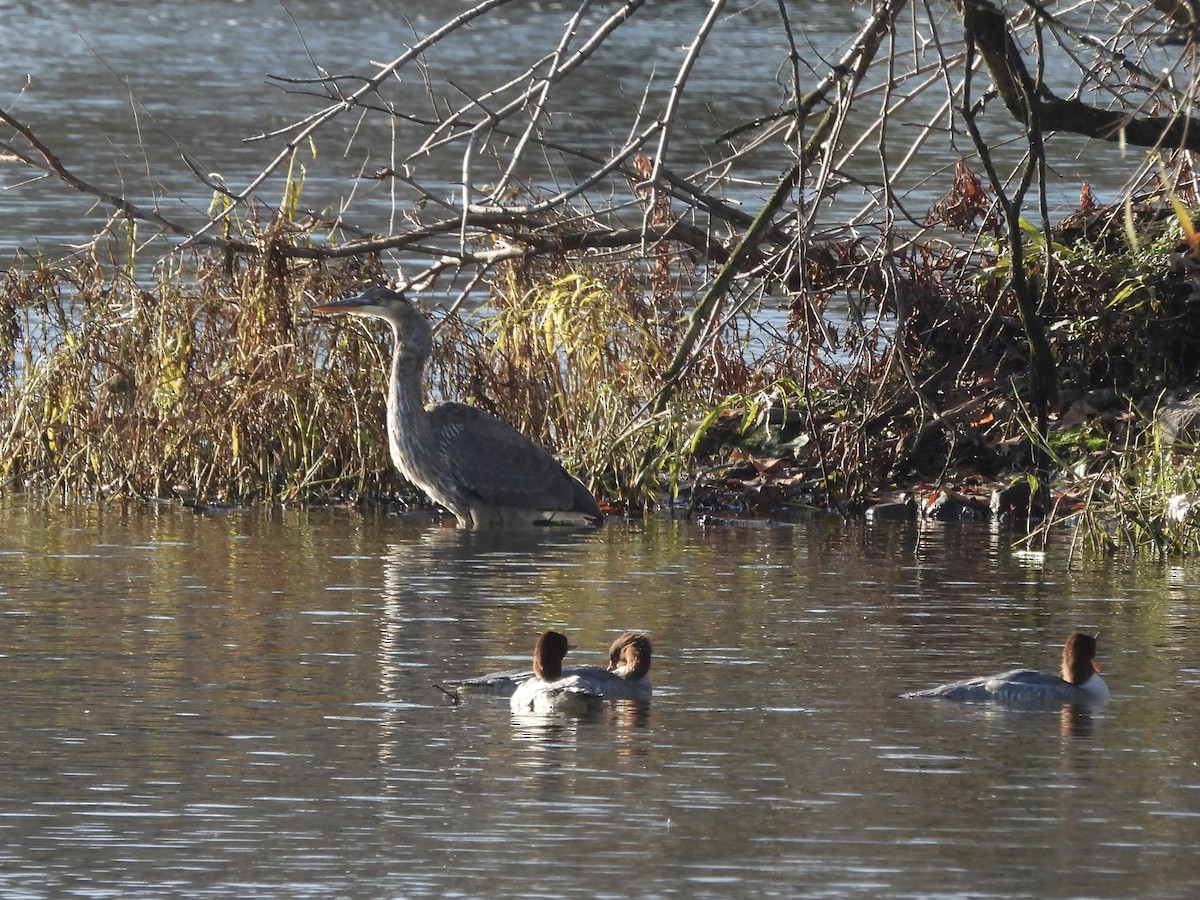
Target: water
121, 91
243, 704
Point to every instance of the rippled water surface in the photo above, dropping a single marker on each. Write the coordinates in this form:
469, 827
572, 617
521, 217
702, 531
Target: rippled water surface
244, 704
123, 90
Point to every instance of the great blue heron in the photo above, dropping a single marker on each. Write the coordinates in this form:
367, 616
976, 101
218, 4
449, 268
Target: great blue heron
481, 469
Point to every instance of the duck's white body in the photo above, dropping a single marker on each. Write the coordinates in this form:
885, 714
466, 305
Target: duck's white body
549, 690
1022, 687
611, 685
569, 694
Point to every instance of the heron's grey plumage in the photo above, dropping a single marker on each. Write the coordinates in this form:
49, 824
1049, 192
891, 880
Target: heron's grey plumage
480, 468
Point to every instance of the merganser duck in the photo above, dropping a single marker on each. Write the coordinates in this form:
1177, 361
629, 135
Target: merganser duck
549, 690
626, 678
628, 674
1079, 682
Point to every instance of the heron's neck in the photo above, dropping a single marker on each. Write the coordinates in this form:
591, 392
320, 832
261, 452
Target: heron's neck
409, 436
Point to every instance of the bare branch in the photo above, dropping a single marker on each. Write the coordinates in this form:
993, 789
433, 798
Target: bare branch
48, 162
370, 86
1023, 95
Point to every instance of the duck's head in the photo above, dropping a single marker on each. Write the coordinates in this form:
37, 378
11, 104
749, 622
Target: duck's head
629, 655
548, 655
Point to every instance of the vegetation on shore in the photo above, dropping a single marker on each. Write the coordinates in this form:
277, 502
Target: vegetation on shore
214, 385
664, 342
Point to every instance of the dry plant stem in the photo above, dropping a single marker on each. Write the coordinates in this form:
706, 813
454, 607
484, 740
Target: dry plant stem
981, 17
370, 86
542, 96
50, 164
849, 69
443, 133
676, 93
896, 296
1041, 357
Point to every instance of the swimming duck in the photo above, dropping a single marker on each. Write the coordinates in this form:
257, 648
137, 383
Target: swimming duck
549, 690
628, 674
626, 678
1079, 682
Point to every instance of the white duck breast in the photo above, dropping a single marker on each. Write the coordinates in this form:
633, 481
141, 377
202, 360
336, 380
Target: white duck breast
563, 695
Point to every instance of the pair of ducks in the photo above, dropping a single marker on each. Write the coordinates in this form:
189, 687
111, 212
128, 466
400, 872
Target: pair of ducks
550, 688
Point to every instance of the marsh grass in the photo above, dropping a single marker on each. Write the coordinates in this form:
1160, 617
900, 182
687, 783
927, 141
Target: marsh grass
571, 352
208, 380
210, 384
1135, 498
204, 377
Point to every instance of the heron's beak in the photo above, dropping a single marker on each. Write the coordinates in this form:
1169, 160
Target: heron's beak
350, 304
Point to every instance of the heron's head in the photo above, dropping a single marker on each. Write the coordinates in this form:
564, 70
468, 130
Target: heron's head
379, 302
375, 302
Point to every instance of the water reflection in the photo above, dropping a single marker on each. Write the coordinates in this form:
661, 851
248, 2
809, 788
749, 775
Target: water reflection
245, 705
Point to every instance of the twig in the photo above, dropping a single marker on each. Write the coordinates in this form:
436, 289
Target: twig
48, 162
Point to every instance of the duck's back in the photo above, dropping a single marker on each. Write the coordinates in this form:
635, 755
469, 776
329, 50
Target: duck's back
606, 684
1018, 687
610, 685
500, 684
568, 694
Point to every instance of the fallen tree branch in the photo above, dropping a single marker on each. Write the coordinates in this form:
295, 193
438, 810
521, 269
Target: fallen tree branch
1029, 98
48, 162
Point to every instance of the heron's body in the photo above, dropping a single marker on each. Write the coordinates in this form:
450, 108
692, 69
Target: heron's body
480, 468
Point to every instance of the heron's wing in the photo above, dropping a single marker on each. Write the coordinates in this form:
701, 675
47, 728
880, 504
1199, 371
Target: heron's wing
500, 465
